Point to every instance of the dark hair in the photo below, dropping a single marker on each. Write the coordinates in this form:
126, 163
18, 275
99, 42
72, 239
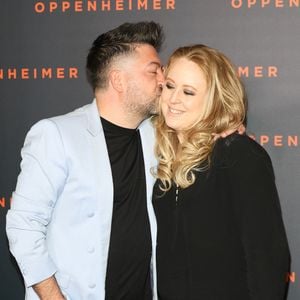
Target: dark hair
119, 41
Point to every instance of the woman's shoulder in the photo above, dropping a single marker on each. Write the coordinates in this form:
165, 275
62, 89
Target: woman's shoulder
238, 148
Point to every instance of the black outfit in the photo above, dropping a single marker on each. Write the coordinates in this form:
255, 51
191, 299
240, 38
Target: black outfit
128, 268
224, 239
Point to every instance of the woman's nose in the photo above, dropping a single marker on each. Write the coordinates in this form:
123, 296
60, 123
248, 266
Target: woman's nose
174, 97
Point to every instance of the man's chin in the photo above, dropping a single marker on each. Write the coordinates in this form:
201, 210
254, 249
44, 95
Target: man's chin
153, 110
150, 114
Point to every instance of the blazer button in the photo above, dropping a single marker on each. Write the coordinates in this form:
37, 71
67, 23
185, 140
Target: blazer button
92, 285
13, 240
90, 214
91, 249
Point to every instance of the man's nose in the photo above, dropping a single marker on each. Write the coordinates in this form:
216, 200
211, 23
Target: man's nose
160, 78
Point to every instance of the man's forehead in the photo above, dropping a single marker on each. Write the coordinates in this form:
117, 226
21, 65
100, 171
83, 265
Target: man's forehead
143, 56
147, 53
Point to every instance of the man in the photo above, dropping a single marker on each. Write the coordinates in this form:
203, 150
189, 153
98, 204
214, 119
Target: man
81, 225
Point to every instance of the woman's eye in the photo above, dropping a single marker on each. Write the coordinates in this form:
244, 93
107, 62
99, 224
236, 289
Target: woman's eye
169, 86
189, 93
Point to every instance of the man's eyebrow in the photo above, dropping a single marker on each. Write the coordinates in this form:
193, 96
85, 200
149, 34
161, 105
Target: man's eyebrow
155, 63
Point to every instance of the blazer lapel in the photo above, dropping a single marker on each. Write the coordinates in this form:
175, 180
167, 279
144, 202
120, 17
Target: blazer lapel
102, 177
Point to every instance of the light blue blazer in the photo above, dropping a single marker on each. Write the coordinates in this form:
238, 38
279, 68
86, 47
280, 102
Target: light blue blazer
60, 219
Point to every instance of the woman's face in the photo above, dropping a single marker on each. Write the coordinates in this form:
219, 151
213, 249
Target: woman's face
184, 94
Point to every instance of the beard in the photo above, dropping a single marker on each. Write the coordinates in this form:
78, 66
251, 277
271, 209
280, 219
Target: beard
138, 102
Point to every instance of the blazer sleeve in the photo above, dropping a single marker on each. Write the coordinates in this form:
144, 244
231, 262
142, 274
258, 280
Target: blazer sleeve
258, 214
42, 178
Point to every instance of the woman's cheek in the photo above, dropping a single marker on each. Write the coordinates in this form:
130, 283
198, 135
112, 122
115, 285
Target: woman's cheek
164, 108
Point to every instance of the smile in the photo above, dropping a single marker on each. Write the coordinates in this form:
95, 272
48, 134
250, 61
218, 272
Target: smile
175, 111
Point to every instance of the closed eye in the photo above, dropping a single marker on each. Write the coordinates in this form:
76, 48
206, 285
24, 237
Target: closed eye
169, 86
189, 93
155, 71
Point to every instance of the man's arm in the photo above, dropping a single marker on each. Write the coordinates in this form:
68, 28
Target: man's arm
241, 130
42, 178
48, 289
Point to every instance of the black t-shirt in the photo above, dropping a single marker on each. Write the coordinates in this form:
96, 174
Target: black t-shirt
128, 267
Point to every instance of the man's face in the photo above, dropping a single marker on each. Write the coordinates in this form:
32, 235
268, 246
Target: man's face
144, 79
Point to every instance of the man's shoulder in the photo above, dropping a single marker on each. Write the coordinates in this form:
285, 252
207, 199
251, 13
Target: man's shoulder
68, 124
74, 117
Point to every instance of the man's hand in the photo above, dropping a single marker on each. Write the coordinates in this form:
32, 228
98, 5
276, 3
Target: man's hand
241, 130
48, 289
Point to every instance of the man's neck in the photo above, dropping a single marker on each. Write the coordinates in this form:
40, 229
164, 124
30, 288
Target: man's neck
113, 112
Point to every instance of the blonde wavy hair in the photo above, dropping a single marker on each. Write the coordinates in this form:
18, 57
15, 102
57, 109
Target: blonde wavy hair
225, 109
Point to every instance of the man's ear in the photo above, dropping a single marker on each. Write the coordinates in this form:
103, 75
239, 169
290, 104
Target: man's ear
116, 80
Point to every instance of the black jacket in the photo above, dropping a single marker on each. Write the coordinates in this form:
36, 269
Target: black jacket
224, 238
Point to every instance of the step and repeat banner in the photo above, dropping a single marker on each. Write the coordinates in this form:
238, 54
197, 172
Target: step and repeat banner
42, 73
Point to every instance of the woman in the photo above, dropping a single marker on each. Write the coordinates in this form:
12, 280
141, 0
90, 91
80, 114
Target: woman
220, 230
